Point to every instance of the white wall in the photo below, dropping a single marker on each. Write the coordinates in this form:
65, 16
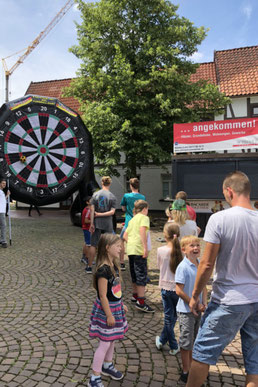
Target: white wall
254, 99
239, 106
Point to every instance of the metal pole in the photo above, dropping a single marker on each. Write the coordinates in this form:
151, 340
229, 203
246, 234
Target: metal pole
9, 215
6, 87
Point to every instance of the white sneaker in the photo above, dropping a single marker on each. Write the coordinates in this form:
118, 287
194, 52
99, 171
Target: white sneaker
158, 343
174, 351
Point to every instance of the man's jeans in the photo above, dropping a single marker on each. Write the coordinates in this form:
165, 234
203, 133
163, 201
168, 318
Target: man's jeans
169, 299
219, 326
3, 228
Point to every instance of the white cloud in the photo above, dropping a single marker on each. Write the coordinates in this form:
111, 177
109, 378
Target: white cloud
75, 8
247, 10
197, 57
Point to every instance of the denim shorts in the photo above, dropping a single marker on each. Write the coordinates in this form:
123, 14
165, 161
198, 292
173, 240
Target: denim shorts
219, 326
122, 232
189, 325
87, 235
138, 269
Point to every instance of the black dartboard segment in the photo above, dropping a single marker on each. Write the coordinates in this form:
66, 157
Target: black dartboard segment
45, 149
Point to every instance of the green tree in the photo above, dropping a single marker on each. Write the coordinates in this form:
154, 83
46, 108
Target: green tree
134, 80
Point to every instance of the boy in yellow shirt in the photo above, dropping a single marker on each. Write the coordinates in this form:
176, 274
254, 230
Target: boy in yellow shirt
137, 251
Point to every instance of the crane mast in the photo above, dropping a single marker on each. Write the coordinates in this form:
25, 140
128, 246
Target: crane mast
33, 44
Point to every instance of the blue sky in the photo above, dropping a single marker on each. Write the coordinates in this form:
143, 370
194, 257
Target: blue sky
232, 24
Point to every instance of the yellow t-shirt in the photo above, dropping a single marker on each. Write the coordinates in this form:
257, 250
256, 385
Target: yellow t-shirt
134, 244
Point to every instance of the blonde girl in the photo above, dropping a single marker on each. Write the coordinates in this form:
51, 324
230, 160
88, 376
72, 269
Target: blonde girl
108, 322
169, 257
177, 213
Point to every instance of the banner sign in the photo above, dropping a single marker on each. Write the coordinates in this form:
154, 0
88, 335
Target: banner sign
216, 135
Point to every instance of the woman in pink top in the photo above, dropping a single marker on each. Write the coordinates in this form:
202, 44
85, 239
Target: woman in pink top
169, 257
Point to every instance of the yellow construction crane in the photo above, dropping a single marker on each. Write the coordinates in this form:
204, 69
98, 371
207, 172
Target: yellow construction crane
31, 47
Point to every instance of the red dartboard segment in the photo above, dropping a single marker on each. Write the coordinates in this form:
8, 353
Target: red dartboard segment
63, 180
75, 163
21, 178
7, 137
29, 167
21, 119
42, 185
8, 160
64, 124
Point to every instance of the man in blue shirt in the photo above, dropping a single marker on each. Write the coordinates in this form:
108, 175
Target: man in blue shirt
127, 204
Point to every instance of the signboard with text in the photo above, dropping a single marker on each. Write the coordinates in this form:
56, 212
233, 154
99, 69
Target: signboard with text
241, 133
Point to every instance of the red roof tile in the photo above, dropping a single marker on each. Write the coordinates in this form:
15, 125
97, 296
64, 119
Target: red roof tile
237, 71
54, 89
205, 71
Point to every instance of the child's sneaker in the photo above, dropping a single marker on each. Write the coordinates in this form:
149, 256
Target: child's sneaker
144, 308
97, 382
158, 343
174, 351
88, 270
84, 260
184, 377
112, 372
134, 300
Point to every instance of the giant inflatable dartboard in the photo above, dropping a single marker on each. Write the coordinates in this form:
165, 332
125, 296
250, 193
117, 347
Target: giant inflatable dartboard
45, 149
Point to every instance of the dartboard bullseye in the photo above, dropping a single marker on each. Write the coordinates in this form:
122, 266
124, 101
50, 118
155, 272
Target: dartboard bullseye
45, 149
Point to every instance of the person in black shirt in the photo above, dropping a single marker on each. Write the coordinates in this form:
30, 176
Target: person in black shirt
108, 321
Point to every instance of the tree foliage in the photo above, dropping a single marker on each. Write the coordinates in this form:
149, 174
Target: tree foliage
134, 80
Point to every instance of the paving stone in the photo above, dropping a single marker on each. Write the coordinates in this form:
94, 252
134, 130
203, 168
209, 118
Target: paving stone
7, 378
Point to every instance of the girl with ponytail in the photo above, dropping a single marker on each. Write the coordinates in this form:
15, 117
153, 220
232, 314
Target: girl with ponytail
169, 257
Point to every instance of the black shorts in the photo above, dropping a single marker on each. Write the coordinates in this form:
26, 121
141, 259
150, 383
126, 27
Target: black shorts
138, 269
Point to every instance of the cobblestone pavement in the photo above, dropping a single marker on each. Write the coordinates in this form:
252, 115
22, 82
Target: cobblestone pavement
46, 300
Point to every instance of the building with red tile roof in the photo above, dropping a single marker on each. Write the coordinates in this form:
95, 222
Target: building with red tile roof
235, 72
54, 89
